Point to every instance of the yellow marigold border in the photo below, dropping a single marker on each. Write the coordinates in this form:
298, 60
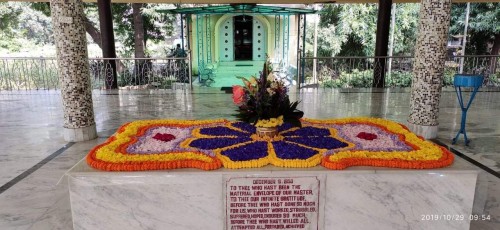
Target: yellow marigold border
109, 153
108, 157
424, 151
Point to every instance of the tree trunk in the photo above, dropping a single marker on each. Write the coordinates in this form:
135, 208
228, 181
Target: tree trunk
495, 51
381, 42
95, 34
140, 69
496, 45
138, 30
108, 43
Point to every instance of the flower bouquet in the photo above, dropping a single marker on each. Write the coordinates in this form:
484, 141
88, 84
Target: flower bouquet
264, 102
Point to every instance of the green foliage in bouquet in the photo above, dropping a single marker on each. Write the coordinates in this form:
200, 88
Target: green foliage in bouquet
265, 98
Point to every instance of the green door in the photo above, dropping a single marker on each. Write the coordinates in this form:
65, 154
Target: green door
259, 41
226, 40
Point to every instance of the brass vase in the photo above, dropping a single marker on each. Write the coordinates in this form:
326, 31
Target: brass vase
267, 131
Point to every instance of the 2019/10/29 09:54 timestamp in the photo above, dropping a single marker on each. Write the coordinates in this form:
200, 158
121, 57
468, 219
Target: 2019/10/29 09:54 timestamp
454, 217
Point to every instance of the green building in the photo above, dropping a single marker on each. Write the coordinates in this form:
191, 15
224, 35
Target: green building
235, 40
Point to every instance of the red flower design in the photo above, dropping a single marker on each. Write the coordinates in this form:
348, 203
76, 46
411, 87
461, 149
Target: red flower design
238, 94
367, 136
164, 137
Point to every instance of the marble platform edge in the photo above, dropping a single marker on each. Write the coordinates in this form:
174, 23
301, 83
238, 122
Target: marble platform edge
81, 169
255, 172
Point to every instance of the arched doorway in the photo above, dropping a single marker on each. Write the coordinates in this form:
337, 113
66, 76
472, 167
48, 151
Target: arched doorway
243, 30
242, 38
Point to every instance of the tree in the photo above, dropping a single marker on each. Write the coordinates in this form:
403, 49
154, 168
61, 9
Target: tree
135, 24
8, 21
483, 29
349, 29
155, 26
406, 28
139, 23
20, 24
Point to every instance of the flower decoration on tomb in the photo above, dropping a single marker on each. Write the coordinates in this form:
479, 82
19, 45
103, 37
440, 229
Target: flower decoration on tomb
212, 144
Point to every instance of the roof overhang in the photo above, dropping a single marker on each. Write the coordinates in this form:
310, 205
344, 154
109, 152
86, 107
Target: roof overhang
256, 1
241, 8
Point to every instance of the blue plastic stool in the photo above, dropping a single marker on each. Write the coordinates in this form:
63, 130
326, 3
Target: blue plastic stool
465, 80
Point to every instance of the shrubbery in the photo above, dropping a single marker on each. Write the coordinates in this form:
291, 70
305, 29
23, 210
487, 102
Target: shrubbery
363, 79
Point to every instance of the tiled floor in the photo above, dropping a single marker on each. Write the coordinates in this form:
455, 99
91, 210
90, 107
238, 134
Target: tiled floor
31, 130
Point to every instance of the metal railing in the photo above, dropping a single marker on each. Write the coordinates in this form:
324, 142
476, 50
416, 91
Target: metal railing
170, 73
357, 72
28, 73
132, 73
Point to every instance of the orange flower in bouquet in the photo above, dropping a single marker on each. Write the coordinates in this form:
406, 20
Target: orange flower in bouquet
238, 94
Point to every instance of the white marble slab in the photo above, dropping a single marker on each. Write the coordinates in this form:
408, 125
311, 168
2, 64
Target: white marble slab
399, 201
357, 198
147, 202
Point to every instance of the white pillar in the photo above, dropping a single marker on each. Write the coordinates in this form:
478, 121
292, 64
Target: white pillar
464, 40
73, 65
391, 39
428, 67
315, 46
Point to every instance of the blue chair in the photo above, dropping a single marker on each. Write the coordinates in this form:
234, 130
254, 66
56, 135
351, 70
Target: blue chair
470, 81
206, 74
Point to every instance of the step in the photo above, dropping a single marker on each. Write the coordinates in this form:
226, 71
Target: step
243, 63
